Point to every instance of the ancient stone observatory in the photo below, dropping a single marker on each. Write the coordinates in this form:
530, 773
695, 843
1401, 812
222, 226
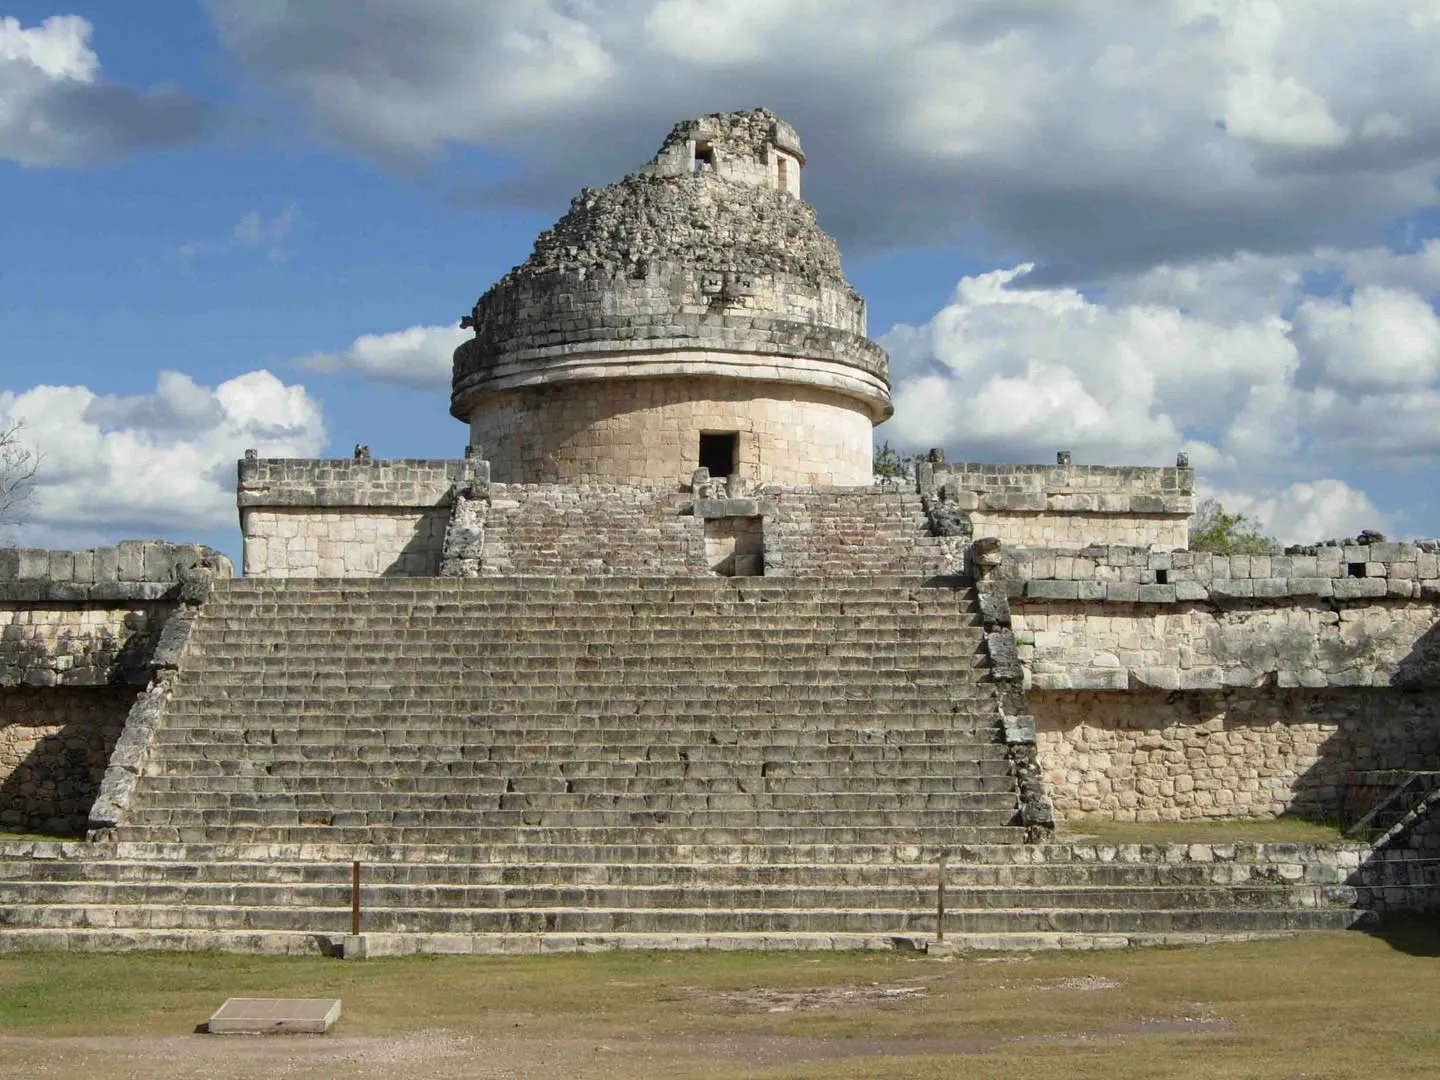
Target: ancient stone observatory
693, 314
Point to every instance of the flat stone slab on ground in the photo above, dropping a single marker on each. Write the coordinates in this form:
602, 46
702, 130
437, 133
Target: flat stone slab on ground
275, 1016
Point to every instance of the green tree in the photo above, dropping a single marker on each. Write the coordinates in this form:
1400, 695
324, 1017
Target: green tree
1215, 529
889, 463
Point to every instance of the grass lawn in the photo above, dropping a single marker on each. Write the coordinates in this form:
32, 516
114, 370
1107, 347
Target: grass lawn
1203, 831
1326, 1005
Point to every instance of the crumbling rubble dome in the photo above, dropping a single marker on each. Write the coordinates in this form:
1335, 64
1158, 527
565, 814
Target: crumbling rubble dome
704, 266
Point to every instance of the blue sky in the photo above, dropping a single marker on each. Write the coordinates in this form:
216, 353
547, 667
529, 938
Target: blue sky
1195, 225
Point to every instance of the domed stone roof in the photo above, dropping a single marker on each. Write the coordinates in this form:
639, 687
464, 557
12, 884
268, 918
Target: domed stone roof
707, 248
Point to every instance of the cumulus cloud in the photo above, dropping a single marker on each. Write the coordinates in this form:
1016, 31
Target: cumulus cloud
1306, 512
418, 356
1280, 403
55, 109
154, 464
1013, 372
1094, 139
1382, 338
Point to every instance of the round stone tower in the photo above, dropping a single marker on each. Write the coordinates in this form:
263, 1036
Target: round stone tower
692, 314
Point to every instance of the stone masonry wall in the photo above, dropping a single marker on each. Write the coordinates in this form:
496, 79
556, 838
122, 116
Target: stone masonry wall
354, 542
64, 643
347, 518
1181, 684
79, 634
647, 431
54, 746
1148, 755
1066, 506
1112, 618
722, 260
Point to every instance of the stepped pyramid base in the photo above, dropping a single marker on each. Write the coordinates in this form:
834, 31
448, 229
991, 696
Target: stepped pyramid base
281, 943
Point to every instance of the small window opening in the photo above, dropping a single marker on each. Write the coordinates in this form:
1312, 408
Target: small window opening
784, 172
1355, 569
1162, 577
704, 157
719, 452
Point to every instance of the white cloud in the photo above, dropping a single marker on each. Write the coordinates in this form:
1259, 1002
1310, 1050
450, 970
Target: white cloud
253, 232
55, 109
1283, 400
1383, 338
154, 464
1091, 138
418, 356
1012, 372
1307, 512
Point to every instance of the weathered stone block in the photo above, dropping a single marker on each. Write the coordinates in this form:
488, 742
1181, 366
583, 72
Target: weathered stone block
1191, 591
1052, 590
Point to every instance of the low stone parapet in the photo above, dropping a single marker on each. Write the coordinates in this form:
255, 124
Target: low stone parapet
1066, 506
349, 517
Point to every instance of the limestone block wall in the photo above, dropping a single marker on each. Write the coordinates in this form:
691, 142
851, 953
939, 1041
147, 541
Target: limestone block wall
79, 633
54, 747
1177, 684
347, 518
65, 643
646, 431
359, 542
1147, 755
1067, 506
1115, 618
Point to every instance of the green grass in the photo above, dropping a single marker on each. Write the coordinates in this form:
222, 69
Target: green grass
1202, 831
1322, 1005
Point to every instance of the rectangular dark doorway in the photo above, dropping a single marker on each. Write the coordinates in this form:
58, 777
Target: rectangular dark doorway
719, 452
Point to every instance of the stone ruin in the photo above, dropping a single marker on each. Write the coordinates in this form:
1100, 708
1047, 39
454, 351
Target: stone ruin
658, 662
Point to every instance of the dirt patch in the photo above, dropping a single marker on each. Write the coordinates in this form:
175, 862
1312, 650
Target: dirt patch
775, 1000
442, 1056
1084, 983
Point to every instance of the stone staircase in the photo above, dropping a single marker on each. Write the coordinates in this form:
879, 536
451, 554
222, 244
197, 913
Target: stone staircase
560, 763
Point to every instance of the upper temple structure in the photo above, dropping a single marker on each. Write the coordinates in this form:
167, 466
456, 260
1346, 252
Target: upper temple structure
661, 662
692, 314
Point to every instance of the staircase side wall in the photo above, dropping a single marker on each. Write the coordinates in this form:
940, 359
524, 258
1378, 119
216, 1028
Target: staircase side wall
79, 634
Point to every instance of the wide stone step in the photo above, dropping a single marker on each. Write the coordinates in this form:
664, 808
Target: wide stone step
376, 896
675, 920
913, 875
731, 849
347, 787
301, 943
598, 741
560, 798
463, 614
325, 774
621, 815
779, 670
773, 839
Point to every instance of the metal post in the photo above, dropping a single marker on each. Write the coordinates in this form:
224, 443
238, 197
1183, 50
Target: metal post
355, 898
939, 902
